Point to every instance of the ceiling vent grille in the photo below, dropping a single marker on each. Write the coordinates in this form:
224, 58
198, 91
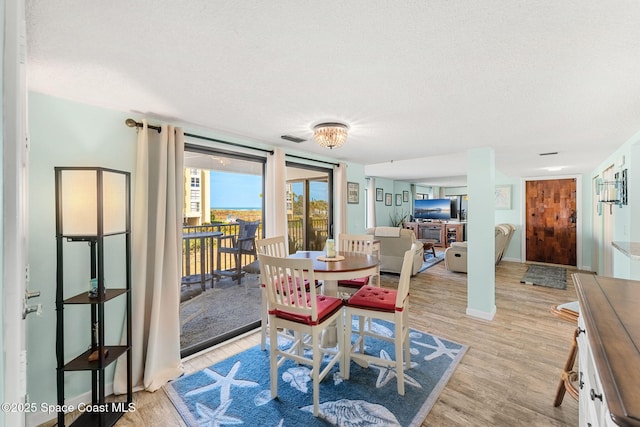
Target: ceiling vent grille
293, 139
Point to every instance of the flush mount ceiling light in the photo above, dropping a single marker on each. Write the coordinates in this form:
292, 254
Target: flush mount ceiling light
330, 135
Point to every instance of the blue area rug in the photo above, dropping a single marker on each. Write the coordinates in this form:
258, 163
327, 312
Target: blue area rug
236, 390
431, 260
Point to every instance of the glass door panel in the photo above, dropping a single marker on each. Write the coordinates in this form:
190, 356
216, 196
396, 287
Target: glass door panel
219, 291
308, 207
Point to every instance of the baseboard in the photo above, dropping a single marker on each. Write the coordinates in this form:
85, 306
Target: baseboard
36, 418
482, 314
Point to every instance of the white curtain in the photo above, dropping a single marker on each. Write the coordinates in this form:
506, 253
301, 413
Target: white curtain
156, 254
339, 199
275, 197
371, 203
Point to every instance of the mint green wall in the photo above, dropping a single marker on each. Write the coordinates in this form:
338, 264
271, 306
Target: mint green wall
385, 213
356, 223
65, 133
626, 226
511, 216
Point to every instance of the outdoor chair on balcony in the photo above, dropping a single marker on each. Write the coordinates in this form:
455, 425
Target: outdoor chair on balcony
237, 248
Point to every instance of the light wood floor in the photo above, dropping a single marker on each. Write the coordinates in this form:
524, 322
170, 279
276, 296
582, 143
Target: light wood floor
508, 377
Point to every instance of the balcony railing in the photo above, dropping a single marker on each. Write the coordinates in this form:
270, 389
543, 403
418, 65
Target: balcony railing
193, 256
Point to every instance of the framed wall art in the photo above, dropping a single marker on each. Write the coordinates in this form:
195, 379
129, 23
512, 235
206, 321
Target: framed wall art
387, 199
405, 196
379, 194
353, 192
398, 199
503, 196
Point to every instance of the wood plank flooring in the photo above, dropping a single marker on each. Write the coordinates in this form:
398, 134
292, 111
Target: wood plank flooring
508, 377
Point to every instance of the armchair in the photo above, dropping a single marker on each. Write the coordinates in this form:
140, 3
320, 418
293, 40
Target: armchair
455, 257
394, 242
244, 243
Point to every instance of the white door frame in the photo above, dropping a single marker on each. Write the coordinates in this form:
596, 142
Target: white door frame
14, 209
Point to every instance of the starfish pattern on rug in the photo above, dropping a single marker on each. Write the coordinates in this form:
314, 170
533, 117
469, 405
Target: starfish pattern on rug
387, 373
440, 349
223, 382
216, 417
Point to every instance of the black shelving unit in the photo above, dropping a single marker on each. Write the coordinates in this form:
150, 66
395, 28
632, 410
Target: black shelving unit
102, 414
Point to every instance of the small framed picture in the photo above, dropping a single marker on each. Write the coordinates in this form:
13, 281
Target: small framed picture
387, 199
405, 196
379, 195
353, 192
503, 197
398, 199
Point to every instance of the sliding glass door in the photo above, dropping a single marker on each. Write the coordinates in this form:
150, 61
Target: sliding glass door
222, 212
309, 206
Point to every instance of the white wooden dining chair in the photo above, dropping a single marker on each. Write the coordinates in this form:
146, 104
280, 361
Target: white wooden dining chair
277, 247
386, 304
359, 243
308, 314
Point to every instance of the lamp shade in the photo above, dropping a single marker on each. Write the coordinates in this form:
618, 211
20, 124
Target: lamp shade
91, 201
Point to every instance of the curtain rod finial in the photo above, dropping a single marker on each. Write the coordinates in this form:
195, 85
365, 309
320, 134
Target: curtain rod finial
131, 123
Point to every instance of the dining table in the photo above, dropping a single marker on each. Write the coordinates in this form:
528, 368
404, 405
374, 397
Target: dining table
344, 266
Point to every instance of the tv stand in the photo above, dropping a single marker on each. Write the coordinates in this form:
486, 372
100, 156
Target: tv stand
443, 233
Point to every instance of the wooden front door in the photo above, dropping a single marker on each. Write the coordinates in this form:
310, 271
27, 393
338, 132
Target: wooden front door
551, 221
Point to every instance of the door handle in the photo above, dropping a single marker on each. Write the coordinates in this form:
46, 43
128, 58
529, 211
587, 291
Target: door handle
28, 309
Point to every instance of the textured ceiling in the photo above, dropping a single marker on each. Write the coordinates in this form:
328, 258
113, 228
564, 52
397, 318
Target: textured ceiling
418, 82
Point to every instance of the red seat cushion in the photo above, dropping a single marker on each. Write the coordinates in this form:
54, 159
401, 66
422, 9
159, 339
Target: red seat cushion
326, 307
354, 283
373, 298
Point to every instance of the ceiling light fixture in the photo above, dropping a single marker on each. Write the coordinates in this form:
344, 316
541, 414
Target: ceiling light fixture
330, 135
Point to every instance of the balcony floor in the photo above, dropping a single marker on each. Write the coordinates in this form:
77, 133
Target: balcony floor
218, 310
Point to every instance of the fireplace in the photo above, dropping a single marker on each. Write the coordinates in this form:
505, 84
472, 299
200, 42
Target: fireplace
431, 233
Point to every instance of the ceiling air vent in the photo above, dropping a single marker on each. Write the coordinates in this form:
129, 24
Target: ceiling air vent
551, 153
293, 139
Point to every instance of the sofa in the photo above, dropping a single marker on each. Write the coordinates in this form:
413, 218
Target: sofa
394, 242
455, 256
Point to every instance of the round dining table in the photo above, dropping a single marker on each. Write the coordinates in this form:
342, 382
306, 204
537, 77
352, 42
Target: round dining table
348, 265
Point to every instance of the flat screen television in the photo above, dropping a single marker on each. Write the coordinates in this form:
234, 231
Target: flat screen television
439, 209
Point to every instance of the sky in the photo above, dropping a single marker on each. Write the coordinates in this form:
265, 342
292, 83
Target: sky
236, 190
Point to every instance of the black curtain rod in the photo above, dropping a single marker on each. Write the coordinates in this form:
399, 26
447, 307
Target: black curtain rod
132, 123
313, 160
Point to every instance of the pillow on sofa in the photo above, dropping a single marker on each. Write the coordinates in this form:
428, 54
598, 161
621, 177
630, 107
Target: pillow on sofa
387, 232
